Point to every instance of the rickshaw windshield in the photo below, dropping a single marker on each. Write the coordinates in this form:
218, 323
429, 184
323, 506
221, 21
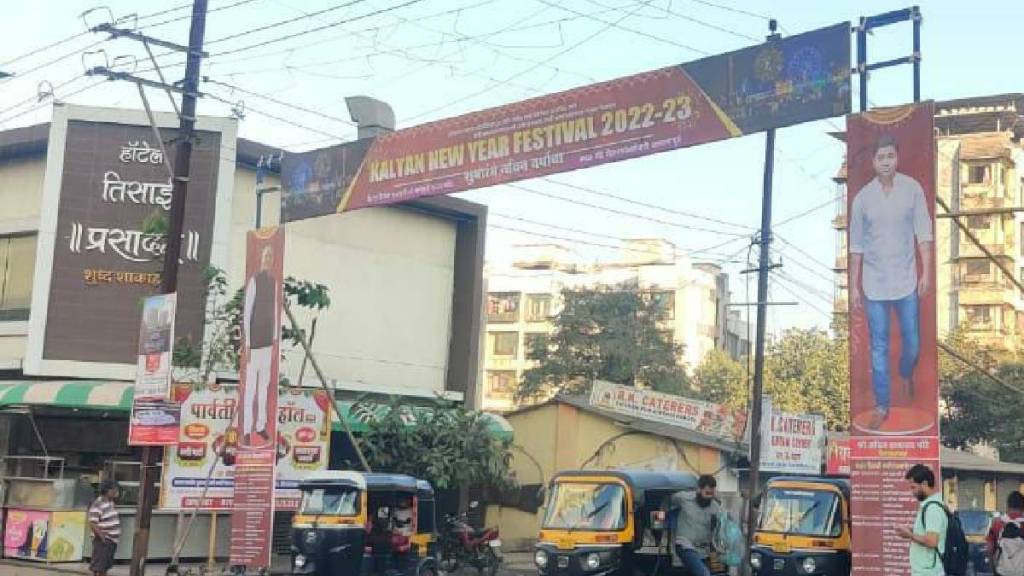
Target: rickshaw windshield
339, 501
801, 512
586, 506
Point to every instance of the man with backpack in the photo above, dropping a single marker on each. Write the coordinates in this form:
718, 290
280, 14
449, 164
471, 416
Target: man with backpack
938, 546
1005, 539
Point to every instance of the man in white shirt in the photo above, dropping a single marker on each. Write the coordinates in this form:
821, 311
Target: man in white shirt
889, 225
262, 327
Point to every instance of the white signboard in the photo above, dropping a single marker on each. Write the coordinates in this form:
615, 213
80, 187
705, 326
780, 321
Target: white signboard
791, 443
208, 422
156, 344
697, 415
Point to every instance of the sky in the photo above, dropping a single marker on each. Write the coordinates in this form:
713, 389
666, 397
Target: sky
432, 59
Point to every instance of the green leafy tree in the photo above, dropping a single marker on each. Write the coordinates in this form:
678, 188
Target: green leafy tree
721, 379
616, 334
444, 443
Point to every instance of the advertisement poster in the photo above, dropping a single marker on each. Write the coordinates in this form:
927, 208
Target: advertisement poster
894, 400
154, 423
704, 417
156, 343
42, 535
795, 79
303, 446
252, 509
837, 462
791, 443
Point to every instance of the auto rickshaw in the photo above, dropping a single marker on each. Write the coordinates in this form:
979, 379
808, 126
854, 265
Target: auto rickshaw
609, 522
355, 524
803, 528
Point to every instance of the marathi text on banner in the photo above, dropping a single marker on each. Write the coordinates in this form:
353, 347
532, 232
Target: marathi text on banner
791, 443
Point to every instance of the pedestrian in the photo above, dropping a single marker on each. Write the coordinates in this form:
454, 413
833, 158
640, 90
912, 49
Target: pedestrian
696, 517
928, 535
890, 227
1004, 543
106, 528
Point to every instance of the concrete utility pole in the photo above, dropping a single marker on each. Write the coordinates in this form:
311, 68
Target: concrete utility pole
169, 280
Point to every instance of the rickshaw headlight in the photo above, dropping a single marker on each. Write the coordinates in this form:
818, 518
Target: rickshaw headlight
540, 558
593, 561
300, 561
809, 565
755, 561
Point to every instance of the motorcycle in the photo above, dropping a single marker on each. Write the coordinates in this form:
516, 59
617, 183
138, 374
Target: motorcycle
463, 545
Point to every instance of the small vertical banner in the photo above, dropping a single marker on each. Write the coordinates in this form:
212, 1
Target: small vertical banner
253, 502
894, 403
155, 418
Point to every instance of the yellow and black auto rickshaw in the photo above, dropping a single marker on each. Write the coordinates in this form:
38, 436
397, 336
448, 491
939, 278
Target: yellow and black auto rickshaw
354, 524
608, 522
803, 528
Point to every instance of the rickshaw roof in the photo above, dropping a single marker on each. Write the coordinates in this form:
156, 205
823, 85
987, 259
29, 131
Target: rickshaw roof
640, 479
370, 482
842, 484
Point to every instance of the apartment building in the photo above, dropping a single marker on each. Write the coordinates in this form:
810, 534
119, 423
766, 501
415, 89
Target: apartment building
523, 296
980, 175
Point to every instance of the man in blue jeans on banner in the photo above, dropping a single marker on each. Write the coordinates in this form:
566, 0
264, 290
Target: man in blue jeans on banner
889, 225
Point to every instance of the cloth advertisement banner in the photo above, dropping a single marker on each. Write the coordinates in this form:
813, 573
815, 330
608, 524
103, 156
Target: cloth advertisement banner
791, 443
788, 81
699, 416
154, 423
894, 403
156, 345
837, 463
252, 509
303, 446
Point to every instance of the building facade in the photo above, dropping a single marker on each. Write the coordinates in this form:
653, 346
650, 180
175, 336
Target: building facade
980, 165
524, 296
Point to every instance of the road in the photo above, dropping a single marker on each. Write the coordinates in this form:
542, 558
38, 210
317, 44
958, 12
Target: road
515, 565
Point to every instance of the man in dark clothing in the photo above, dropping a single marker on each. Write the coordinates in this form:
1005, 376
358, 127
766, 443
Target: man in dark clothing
106, 528
261, 326
1014, 513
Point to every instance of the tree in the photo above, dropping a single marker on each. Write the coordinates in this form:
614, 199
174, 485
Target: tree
613, 334
722, 380
444, 443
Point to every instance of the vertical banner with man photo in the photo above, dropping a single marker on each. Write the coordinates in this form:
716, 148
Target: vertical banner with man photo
253, 503
894, 416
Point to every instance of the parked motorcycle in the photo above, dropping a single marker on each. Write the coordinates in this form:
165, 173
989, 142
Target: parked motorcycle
462, 545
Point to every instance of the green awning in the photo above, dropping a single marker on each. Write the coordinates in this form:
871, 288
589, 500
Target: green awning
81, 394
358, 421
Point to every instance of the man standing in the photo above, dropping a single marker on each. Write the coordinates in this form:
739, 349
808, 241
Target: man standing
928, 535
106, 528
261, 327
889, 226
696, 515
1014, 515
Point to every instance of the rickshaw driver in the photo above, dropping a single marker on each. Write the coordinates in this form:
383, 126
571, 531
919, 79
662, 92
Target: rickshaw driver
403, 517
696, 516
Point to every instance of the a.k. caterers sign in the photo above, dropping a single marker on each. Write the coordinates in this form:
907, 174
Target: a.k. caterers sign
699, 416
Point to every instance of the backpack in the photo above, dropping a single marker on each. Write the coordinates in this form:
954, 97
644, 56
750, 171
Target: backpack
1009, 556
956, 557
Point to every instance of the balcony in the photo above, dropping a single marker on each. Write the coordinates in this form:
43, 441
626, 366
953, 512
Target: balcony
839, 222
986, 293
982, 202
969, 250
840, 265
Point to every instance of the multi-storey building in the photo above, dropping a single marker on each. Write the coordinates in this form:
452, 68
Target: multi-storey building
980, 165
523, 296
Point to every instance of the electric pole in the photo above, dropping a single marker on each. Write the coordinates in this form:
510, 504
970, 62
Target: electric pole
169, 279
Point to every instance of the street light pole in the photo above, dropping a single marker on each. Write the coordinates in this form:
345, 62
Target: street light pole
169, 277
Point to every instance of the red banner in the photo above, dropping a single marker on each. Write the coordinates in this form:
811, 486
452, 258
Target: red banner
154, 423
894, 417
837, 462
253, 503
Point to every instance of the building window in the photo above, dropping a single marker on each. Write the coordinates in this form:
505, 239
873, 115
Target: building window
501, 383
977, 269
665, 303
503, 307
979, 174
979, 317
538, 307
535, 342
978, 222
17, 267
505, 343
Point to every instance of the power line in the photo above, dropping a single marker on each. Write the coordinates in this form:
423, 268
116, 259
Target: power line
288, 21
619, 26
804, 252
276, 117
807, 212
232, 87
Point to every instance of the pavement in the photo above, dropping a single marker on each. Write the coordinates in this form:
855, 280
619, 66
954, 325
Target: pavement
515, 564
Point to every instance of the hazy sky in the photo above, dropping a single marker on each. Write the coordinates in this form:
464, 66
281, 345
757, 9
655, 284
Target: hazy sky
432, 59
